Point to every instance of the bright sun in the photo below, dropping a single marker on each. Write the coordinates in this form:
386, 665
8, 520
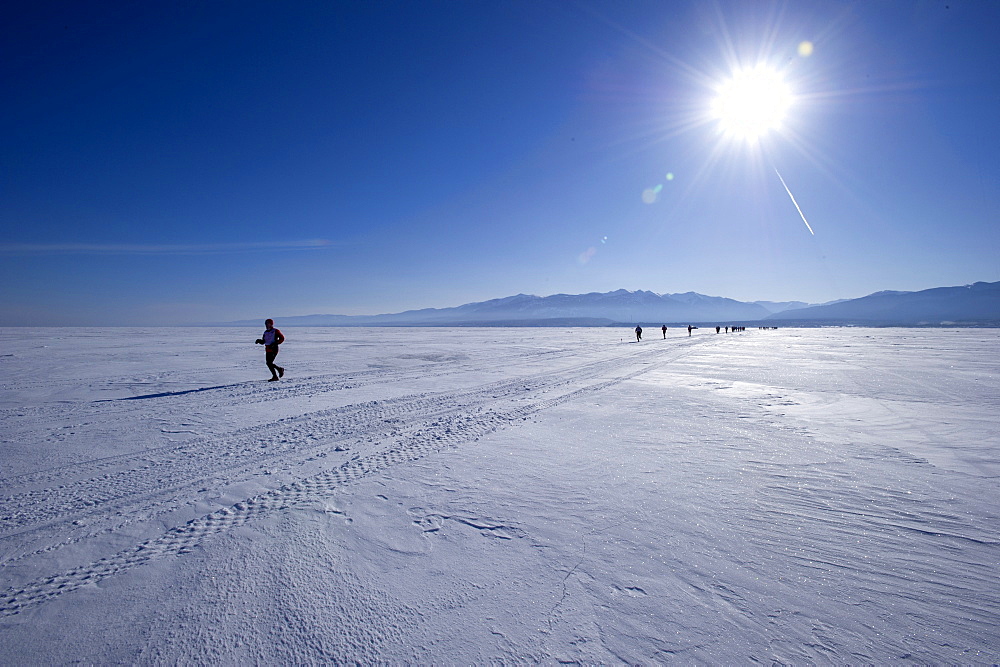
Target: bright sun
751, 103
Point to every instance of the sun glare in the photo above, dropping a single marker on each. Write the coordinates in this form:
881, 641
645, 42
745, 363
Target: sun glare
751, 103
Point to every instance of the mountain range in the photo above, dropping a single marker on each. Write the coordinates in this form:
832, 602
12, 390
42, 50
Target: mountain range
970, 305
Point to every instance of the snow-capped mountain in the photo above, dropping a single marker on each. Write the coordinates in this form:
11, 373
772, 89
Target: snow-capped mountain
594, 309
977, 304
781, 306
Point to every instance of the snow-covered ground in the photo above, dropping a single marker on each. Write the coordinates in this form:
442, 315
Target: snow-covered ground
500, 495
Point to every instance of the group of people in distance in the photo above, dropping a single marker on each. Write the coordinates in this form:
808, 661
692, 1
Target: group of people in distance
638, 332
734, 329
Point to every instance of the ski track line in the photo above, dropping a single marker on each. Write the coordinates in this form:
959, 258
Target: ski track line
109, 502
305, 386
125, 410
278, 437
215, 398
155, 472
470, 415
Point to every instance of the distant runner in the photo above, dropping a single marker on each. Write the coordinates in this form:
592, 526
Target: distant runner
271, 339
638, 334
664, 328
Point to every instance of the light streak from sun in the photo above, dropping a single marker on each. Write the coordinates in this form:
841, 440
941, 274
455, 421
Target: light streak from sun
751, 91
792, 197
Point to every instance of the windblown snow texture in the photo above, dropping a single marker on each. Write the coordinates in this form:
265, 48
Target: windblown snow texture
484, 495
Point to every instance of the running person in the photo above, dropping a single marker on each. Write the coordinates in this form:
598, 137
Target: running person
271, 339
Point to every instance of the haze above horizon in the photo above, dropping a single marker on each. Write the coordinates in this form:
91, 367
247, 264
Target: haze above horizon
169, 164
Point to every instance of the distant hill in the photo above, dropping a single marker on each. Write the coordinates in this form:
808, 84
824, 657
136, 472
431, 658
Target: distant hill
594, 309
971, 305
781, 306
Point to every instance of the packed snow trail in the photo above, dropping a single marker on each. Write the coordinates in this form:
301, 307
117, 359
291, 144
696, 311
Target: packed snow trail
504, 495
111, 492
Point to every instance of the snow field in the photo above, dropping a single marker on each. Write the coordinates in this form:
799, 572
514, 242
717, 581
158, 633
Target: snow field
471, 495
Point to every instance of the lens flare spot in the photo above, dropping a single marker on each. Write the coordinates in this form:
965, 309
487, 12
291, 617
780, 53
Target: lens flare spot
587, 255
670, 175
805, 49
649, 195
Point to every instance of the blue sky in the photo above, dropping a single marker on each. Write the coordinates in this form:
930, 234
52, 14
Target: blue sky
173, 163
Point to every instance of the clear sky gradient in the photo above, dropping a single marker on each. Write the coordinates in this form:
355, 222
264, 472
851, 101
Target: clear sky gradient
182, 162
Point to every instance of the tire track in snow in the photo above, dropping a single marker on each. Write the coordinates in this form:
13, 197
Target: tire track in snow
434, 423
80, 488
212, 400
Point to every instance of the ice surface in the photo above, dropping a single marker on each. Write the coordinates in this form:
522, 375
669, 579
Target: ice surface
488, 495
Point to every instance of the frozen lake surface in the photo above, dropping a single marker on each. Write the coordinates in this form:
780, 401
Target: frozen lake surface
500, 495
